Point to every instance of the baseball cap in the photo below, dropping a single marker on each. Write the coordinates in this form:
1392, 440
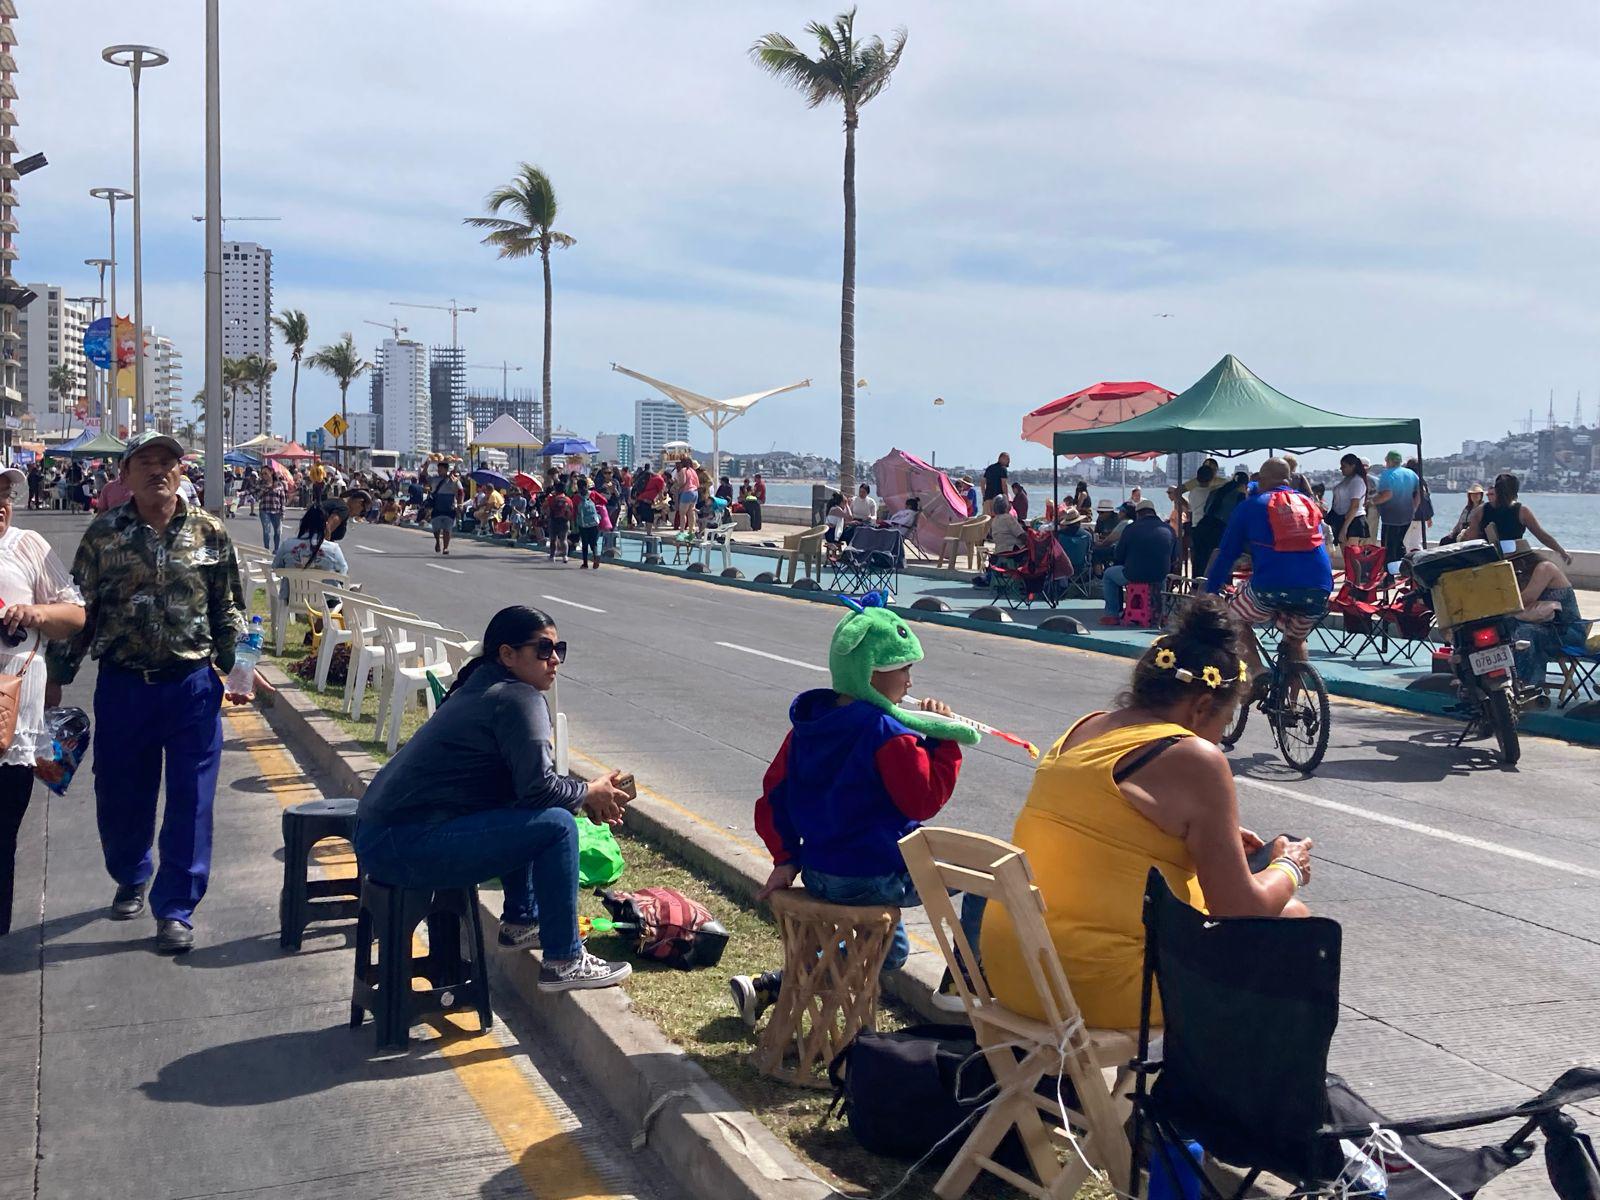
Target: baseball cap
1392, 456
151, 437
14, 481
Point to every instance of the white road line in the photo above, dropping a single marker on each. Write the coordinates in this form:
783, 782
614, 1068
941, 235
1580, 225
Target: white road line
1444, 835
442, 567
372, 550
575, 604
793, 662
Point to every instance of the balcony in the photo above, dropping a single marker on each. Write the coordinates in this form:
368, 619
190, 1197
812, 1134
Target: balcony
8, 8
8, 35
8, 65
8, 119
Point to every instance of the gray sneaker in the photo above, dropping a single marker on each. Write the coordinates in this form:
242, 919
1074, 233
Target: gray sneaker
585, 971
519, 935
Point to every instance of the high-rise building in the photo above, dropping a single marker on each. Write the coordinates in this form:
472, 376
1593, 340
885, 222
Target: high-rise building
163, 381
482, 407
363, 431
11, 403
247, 327
447, 390
375, 397
615, 448
52, 336
407, 412
655, 423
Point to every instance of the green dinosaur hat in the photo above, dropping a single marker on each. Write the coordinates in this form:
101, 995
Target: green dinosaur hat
871, 638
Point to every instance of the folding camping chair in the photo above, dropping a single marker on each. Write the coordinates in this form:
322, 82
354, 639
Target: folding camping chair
1020, 1051
1250, 1005
1579, 665
1406, 620
1357, 600
1040, 571
870, 561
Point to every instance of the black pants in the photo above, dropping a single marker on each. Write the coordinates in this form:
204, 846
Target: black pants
589, 539
16, 786
1206, 537
558, 535
1394, 543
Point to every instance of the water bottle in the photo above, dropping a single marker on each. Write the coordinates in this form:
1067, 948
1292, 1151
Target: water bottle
246, 654
1362, 1174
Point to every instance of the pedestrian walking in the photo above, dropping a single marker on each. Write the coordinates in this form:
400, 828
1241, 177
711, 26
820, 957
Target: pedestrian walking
558, 522
442, 503
1399, 490
164, 610
588, 531
40, 602
270, 496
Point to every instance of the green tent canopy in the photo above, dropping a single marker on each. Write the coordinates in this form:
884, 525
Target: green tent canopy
1231, 411
102, 445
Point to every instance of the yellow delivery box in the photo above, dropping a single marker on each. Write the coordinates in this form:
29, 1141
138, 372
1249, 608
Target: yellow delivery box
1475, 594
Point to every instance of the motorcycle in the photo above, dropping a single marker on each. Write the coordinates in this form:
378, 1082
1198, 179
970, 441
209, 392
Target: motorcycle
1474, 593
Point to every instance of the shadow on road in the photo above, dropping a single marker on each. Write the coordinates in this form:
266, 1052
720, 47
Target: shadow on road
1430, 757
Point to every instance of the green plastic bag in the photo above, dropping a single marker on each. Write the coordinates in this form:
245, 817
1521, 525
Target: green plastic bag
599, 857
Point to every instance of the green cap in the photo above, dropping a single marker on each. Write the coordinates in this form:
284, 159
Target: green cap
1394, 456
151, 437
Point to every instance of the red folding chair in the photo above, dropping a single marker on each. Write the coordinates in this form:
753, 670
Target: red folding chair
1358, 600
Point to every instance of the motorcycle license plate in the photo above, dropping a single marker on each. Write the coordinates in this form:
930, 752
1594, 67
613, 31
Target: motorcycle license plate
1495, 658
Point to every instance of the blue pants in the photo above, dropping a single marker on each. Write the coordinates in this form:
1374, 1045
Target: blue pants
1111, 585
534, 852
271, 529
137, 724
897, 890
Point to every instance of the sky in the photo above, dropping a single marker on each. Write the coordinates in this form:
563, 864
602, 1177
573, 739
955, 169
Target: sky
1380, 208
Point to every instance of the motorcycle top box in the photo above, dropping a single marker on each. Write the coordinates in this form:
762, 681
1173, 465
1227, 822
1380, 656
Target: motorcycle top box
1475, 594
1428, 565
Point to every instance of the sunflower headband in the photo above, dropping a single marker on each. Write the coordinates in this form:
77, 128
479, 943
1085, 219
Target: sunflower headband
1167, 660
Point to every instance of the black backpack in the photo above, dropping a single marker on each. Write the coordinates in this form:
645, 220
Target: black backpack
899, 1089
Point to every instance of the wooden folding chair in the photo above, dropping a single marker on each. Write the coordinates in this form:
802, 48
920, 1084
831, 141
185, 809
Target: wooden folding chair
945, 860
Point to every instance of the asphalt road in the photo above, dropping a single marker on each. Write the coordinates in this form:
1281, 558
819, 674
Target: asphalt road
1469, 894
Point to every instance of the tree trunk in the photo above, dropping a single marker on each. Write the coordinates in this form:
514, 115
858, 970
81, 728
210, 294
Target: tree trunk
847, 317
344, 411
294, 399
544, 253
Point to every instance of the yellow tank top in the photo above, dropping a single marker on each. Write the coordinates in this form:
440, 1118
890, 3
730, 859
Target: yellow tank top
1090, 851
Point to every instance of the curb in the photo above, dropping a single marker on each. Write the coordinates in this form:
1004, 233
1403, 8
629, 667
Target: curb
713, 1145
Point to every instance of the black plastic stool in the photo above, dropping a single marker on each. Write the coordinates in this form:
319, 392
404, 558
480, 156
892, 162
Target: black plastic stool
303, 900
455, 967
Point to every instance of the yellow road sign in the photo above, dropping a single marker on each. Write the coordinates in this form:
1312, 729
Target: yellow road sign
336, 425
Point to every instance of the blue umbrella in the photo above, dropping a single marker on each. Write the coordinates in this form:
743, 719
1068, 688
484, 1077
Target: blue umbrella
557, 446
240, 458
489, 478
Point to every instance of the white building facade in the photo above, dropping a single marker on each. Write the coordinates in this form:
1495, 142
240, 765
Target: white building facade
655, 423
52, 331
363, 431
247, 327
407, 406
163, 382
615, 448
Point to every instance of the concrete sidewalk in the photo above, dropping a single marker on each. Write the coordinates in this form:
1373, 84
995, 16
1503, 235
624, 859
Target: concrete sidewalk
230, 1070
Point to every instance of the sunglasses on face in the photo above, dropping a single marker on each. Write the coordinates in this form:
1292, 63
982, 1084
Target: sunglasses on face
544, 649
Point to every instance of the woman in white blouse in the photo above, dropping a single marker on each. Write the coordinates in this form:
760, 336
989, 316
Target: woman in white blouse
42, 603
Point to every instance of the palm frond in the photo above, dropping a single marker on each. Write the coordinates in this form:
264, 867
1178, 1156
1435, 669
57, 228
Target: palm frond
818, 81
341, 360
877, 65
561, 241
296, 329
492, 223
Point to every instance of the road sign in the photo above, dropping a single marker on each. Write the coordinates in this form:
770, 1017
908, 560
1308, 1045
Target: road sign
336, 425
316, 439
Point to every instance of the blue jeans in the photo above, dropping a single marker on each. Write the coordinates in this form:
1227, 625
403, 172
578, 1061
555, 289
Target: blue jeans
1111, 585
137, 725
271, 529
897, 890
534, 853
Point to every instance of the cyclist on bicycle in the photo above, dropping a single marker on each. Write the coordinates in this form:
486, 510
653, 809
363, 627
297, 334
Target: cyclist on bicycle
1290, 576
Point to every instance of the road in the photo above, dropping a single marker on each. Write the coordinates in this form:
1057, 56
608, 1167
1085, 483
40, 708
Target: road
1469, 895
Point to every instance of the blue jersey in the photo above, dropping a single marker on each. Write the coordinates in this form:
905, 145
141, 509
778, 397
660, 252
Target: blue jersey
1271, 570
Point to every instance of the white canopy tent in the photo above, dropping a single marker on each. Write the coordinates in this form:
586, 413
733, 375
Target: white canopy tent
715, 413
505, 432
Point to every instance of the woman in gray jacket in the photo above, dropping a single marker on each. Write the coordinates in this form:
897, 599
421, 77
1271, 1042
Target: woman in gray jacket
475, 794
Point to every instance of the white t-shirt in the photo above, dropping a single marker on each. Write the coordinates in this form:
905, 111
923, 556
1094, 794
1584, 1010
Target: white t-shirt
1349, 490
864, 508
30, 573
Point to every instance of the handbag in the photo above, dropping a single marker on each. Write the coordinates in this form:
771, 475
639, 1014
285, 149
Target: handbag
11, 698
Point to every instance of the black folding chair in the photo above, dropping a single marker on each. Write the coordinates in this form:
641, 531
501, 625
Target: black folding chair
1250, 1005
870, 561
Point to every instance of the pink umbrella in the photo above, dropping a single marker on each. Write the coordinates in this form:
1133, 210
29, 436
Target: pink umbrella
901, 476
1097, 405
281, 471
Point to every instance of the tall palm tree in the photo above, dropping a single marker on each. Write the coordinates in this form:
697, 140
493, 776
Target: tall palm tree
344, 362
531, 200
258, 377
62, 381
851, 72
235, 375
296, 330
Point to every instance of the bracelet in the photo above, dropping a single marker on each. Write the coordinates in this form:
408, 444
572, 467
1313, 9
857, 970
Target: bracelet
1290, 868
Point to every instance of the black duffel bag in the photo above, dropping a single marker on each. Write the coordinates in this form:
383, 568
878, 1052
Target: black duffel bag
899, 1089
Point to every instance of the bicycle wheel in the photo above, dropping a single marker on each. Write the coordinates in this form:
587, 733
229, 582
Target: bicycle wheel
1236, 730
1504, 723
1301, 716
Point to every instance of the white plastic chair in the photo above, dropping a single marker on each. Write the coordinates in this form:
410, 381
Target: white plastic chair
336, 614
412, 651
254, 565
366, 652
304, 589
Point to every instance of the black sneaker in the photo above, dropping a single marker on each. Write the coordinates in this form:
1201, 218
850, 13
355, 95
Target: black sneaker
753, 996
585, 971
128, 901
173, 936
519, 935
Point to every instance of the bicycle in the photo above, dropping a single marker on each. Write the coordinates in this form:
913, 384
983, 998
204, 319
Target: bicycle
1295, 706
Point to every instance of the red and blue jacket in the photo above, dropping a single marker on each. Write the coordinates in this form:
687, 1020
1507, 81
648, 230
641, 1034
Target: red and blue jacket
848, 783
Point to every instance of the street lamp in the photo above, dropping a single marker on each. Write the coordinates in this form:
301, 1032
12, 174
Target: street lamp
101, 390
111, 196
136, 59
938, 402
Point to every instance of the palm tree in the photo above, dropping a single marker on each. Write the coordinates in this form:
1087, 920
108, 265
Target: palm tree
235, 375
851, 72
62, 381
531, 199
344, 362
258, 376
296, 330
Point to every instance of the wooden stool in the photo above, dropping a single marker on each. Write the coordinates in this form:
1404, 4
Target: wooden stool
832, 954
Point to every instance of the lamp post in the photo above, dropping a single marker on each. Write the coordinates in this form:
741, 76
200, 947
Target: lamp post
111, 196
214, 467
136, 59
938, 402
101, 390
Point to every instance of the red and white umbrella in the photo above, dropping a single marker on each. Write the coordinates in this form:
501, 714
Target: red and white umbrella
1095, 406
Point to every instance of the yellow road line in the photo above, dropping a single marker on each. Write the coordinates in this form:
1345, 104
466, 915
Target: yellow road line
547, 1158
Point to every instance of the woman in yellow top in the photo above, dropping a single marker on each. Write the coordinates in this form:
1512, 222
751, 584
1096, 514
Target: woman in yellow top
1142, 786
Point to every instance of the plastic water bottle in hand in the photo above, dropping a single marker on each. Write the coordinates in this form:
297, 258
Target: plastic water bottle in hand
242, 679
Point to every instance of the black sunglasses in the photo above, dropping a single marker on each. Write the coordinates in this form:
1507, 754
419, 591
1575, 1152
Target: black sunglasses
544, 649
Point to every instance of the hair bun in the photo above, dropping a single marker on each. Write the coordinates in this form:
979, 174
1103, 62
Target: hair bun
1206, 620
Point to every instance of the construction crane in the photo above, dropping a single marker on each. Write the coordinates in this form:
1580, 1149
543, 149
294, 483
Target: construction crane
394, 325
455, 310
505, 370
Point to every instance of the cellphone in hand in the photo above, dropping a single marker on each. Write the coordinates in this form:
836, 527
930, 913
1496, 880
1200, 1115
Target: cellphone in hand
1258, 860
625, 783
8, 636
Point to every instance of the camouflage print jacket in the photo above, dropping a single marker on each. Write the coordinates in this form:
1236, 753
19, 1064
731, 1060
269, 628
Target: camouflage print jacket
154, 601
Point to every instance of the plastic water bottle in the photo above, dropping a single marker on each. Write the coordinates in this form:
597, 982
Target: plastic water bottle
246, 654
1363, 1174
